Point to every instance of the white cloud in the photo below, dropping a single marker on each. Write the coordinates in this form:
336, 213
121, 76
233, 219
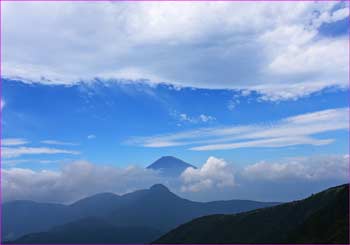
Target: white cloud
235, 100
206, 118
291, 91
56, 142
13, 141
215, 173
328, 17
91, 136
184, 117
294, 130
11, 152
306, 59
179, 41
304, 168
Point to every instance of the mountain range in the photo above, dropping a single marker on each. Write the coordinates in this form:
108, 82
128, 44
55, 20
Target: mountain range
155, 211
321, 218
156, 215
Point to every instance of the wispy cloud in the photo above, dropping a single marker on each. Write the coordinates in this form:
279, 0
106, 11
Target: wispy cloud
271, 142
13, 141
11, 152
91, 136
15, 147
289, 131
13, 162
56, 142
3, 103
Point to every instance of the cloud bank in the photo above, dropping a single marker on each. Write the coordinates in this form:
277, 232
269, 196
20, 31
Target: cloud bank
303, 168
215, 179
74, 181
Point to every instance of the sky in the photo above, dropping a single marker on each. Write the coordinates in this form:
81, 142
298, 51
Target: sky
257, 100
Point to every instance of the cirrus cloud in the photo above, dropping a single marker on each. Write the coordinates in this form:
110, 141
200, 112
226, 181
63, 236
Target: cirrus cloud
57, 142
13, 141
295, 130
11, 152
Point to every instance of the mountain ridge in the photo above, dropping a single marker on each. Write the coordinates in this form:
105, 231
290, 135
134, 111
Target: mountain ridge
320, 218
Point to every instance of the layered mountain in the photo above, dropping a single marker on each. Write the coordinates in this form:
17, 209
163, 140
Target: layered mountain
170, 166
321, 218
155, 209
23, 217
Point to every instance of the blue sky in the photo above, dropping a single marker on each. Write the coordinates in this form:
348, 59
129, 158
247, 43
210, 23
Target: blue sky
258, 97
114, 114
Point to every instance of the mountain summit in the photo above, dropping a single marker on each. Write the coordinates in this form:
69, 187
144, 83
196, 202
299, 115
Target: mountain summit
159, 187
170, 166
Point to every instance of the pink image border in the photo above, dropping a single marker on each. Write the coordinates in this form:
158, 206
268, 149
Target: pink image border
256, 1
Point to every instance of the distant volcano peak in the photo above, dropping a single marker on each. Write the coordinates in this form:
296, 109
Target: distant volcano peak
168, 158
159, 187
170, 166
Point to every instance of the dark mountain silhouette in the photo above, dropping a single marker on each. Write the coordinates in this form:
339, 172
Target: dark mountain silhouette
321, 218
23, 217
98, 205
89, 231
170, 166
155, 209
